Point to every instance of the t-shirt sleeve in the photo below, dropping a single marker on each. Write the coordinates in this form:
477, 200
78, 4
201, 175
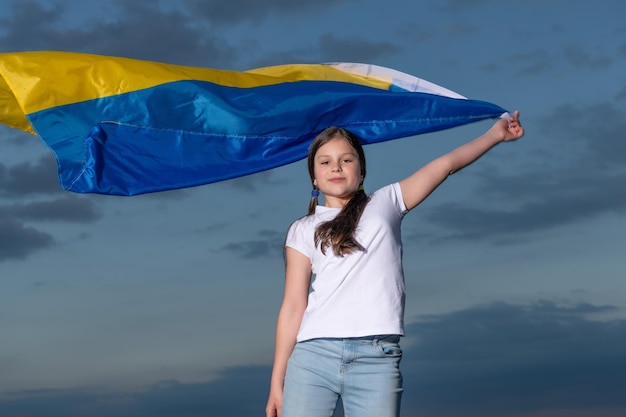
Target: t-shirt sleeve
397, 198
391, 196
298, 238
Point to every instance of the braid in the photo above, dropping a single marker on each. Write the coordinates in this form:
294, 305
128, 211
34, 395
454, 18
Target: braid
339, 232
313, 202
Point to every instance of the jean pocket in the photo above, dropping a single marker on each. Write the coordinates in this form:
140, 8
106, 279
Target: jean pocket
389, 347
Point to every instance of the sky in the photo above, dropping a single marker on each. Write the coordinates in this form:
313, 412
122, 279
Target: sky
164, 305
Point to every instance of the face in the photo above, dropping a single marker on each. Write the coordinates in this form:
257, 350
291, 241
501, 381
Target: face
337, 171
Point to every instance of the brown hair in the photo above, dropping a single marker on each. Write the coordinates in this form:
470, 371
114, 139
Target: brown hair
339, 232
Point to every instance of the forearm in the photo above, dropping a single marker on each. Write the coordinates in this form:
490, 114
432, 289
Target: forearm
465, 154
287, 328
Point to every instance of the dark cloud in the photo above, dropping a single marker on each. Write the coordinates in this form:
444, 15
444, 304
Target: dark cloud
238, 392
332, 48
580, 177
39, 177
548, 205
68, 209
500, 360
579, 57
252, 183
456, 5
533, 63
595, 129
18, 241
516, 360
30, 26
186, 35
234, 11
269, 244
134, 29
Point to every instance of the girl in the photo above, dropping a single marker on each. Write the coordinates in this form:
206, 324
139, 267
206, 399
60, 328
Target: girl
337, 334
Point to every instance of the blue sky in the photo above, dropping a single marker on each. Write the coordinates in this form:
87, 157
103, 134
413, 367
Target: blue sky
165, 304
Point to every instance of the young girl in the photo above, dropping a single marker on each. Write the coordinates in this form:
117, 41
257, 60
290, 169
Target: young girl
338, 335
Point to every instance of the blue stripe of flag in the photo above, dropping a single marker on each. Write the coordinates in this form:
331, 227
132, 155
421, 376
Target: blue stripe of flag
189, 133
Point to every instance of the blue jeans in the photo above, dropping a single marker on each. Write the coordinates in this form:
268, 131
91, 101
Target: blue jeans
365, 372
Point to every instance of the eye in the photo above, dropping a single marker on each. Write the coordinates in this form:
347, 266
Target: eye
347, 160
323, 162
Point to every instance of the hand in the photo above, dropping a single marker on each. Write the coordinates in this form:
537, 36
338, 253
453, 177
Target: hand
274, 405
508, 130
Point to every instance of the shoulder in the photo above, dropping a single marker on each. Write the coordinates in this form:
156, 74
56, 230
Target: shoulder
299, 224
391, 194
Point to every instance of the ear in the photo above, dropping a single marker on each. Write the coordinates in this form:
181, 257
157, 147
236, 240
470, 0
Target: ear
314, 182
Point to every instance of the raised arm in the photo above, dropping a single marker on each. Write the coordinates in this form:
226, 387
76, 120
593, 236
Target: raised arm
297, 282
421, 183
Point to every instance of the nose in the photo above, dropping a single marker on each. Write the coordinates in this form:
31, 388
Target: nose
336, 167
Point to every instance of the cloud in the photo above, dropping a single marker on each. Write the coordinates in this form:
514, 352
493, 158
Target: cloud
580, 58
134, 29
252, 183
499, 360
271, 243
516, 360
333, 48
238, 392
548, 205
69, 209
18, 241
39, 177
235, 11
533, 63
579, 176
29, 26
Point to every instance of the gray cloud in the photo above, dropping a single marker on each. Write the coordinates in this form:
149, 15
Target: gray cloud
30, 26
455, 5
144, 31
239, 391
533, 63
134, 29
516, 360
499, 360
581, 58
332, 48
252, 183
548, 205
580, 176
269, 244
26, 178
234, 11
18, 241
69, 209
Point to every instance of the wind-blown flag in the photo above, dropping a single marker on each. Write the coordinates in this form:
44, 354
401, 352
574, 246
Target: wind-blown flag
124, 127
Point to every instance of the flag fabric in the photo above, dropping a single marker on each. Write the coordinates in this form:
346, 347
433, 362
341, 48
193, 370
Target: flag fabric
123, 127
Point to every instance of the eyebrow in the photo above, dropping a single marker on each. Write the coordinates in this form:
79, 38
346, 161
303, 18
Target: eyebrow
343, 154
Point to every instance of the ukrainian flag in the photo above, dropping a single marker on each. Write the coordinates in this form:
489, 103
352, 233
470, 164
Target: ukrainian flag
123, 127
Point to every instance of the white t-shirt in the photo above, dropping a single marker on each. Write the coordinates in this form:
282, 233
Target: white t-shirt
362, 293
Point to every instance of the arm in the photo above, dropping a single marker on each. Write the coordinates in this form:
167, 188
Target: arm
297, 282
420, 184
